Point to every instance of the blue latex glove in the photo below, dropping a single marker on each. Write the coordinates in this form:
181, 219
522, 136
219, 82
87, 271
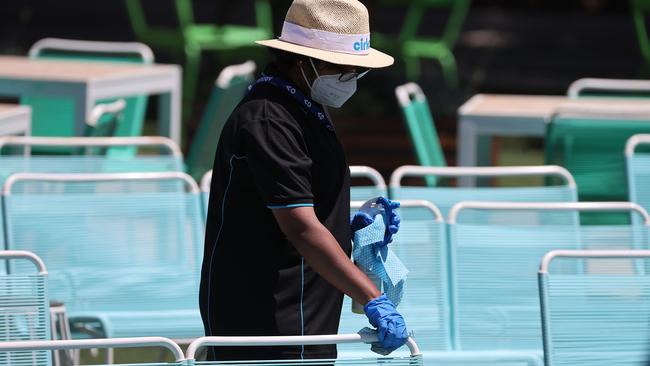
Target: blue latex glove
362, 219
391, 327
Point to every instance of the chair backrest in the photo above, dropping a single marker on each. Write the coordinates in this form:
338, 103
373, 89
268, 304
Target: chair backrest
419, 121
113, 242
228, 90
417, 11
185, 16
495, 249
590, 144
86, 155
110, 343
24, 308
421, 246
638, 169
55, 116
414, 356
445, 197
598, 317
366, 192
626, 88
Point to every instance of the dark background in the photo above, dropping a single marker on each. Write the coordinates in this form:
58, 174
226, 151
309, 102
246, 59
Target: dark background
515, 46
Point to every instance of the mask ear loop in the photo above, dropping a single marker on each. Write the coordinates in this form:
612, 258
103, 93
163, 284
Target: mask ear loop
304, 76
311, 61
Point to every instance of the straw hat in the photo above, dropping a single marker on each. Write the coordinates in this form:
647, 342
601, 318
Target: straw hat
335, 31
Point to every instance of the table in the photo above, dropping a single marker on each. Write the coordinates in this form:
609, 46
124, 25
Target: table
15, 120
88, 82
487, 115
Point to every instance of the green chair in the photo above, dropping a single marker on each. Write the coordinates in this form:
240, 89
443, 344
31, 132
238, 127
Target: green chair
591, 144
413, 47
640, 9
421, 127
190, 39
228, 90
55, 116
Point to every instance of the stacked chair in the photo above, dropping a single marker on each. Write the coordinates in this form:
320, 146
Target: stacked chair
230, 86
123, 249
24, 307
420, 125
473, 252
598, 316
590, 144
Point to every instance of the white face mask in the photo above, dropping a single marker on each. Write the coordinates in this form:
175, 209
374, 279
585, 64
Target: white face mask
329, 90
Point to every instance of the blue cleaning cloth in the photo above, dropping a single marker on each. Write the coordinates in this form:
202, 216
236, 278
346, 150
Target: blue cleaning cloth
373, 254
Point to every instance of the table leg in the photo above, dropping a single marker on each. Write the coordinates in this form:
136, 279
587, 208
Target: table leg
83, 105
467, 145
169, 115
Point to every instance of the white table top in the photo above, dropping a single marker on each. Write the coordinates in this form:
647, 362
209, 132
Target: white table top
539, 106
21, 67
11, 110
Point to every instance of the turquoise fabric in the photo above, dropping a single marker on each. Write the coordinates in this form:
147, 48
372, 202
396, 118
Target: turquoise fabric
495, 257
364, 193
446, 197
126, 254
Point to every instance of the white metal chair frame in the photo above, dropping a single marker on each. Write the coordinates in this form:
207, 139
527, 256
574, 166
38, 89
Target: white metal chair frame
622, 85
549, 206
99, 177
190, 355
92, 46
104, 343
404, 92
230, 72
360, 171
151, 141
514, 171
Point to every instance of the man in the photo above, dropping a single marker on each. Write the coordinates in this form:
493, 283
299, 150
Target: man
277, 248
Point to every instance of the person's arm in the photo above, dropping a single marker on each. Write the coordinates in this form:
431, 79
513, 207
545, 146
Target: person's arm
323, 253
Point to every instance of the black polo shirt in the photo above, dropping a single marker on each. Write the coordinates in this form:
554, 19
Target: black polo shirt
272, 154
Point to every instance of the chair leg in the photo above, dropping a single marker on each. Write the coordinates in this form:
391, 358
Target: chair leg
412, 67
449, 69
190, 79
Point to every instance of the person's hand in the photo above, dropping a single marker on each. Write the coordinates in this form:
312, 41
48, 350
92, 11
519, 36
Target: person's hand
391, 327
392, 227
362, 219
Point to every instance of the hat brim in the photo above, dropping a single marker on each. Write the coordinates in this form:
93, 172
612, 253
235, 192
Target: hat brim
373, 60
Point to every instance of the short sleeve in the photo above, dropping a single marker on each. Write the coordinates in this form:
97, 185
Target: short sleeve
277, 156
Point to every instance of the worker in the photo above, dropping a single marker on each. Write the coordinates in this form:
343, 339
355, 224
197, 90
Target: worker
278, 236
